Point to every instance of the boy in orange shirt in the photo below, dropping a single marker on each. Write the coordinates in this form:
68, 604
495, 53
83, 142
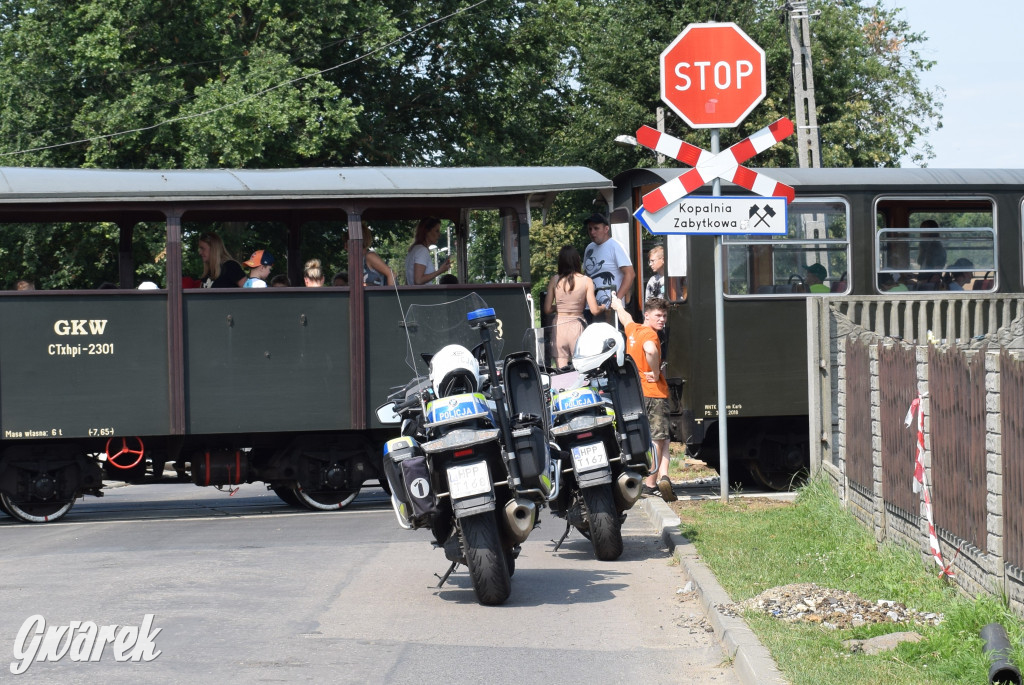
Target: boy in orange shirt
643, 346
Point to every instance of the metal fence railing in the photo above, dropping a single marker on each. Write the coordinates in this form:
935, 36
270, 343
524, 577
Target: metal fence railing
956, 386
1012, 402
897, 385
859, 467
868, 358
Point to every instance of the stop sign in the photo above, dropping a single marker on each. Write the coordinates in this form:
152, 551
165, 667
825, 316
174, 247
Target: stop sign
712, 75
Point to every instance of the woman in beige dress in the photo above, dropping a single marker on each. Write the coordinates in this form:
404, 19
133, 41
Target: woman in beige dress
569, 292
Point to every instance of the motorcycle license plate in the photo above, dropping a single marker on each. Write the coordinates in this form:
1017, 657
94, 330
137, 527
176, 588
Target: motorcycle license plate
469, 480
589, 457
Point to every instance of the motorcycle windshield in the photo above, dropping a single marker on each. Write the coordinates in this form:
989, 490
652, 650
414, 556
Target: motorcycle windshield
432, 326
552, 347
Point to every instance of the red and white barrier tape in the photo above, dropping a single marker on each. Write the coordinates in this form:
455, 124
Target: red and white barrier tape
921, 486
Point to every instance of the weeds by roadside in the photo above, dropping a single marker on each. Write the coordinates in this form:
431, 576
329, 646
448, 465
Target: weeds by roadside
682, 468
753, 545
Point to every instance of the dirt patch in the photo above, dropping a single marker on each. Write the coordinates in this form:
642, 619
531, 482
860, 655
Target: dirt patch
685, 509
828, 607
683, 468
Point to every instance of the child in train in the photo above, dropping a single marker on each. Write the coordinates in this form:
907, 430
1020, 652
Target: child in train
260, 265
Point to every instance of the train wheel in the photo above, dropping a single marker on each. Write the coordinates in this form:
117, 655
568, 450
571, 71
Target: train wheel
324, 500
779, 481
287, 494
780, 466
35, 512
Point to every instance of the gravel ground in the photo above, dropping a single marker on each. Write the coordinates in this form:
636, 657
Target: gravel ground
836, 609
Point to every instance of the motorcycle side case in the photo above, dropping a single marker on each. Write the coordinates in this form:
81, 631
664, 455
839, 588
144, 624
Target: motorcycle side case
628, 399
405, 466
524, 389
531, 447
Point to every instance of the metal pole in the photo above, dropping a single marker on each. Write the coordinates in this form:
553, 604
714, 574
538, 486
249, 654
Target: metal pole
723, 439
661, 129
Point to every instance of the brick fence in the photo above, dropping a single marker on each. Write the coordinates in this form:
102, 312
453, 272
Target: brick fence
869, 357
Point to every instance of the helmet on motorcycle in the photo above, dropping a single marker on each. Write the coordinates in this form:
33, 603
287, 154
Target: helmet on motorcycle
453, 371
598, 342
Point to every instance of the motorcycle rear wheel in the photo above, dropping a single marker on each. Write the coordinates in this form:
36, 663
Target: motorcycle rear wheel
605, 526
487, 562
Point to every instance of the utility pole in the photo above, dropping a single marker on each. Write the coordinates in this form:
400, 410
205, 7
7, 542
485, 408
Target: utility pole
807, 139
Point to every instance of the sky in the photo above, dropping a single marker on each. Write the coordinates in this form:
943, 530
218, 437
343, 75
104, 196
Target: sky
979, 50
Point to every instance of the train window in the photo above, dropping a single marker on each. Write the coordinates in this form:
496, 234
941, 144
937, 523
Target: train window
675, 267
946, 245
42, 255
811, 258
662, 267
491, 245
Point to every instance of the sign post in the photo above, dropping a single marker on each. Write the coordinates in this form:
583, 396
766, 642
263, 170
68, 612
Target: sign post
712, 76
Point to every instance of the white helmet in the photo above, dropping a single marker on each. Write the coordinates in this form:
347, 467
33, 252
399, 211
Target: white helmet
598, 342
453, 371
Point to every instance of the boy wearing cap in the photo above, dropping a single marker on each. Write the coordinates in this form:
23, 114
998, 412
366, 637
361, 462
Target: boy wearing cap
815, 278
259, 265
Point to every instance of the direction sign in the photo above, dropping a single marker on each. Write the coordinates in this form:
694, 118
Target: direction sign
718, 215
712, 75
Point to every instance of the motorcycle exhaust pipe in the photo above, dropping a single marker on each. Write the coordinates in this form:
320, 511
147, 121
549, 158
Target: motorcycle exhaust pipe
520, 517
628, 487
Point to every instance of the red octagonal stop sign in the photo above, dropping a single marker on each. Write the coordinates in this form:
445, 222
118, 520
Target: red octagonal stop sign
712, 75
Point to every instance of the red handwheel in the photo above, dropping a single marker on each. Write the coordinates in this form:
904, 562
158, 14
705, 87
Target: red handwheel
112, 458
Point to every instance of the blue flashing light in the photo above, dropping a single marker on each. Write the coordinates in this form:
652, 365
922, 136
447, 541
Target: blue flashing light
487, 312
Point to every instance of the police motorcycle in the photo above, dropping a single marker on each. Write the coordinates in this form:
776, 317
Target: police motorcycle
599, 424
472, 464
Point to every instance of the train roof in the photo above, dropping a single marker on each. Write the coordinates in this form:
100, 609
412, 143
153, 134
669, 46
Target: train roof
838, 180
33, 184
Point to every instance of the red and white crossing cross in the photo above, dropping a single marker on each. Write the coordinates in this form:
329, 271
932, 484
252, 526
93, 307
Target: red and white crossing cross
707, 166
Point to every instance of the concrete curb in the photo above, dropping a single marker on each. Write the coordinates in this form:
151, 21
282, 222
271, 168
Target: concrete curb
752, 660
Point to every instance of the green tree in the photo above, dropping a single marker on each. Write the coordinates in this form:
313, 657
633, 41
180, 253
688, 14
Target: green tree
871, 106
258, 83
254, 83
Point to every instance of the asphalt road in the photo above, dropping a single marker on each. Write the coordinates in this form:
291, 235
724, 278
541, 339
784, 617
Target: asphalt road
245, 589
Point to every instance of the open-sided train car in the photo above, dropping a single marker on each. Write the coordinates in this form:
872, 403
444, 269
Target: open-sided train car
898, 232
227, 386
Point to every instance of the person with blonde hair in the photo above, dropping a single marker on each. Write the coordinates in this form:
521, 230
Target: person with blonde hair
656, 283
568, 293
418, 263
220, 270
313, 274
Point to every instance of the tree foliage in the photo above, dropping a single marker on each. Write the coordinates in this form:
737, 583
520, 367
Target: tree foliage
872, 109
260, 83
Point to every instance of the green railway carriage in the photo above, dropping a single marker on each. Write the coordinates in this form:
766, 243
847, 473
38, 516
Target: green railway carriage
875, 231
225, 386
